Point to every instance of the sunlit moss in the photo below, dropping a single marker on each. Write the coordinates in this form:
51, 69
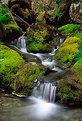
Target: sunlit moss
37, 47
67, 51
10, 62
39, 36
77, 67
37, 42
69, 28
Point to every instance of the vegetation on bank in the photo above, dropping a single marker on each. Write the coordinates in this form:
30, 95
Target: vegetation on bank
10, 62
68, 29
16, 74
23, 81
70, 55
67, 52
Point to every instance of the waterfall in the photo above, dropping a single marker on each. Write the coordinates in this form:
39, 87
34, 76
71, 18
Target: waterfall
46, 91
22, 44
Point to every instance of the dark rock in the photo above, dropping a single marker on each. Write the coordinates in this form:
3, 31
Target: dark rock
76, 11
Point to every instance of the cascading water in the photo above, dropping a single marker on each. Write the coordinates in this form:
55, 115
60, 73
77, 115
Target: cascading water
45, 91
42, 106
21, 44
46, 59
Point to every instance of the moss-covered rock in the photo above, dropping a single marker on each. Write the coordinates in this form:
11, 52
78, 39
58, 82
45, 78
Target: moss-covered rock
67, 52
41, 38
23, 81
15, 75
11, 32
69, 90
10, 62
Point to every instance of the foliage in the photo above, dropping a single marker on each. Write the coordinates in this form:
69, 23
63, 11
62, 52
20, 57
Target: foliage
69, 21
69, 28
56, 14
40, 7
5, 16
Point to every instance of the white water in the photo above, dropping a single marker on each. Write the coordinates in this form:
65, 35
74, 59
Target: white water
41, 110
45, 91
46, 59
22, 44
42, 106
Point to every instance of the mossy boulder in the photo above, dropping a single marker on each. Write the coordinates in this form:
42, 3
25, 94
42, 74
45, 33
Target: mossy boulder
69, 89
67, 52
10, 62
41, 38
23, 81
11, 31
15, 74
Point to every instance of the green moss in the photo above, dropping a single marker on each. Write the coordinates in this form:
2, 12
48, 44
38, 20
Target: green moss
39, 36
36, 42
11, 31
67, 51
39, 47
77, 67
12, 27
69, 28
68, 94
25, 77
76, 35
10, 62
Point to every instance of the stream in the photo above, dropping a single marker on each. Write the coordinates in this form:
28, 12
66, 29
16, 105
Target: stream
41, 105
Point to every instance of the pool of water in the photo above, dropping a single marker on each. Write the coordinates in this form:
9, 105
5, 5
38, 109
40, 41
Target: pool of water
34, 109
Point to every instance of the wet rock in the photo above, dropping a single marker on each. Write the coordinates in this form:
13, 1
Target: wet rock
50, 12
76, 11
11, 31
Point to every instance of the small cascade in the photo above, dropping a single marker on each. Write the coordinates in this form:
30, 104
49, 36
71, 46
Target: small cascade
47, 59
22, 44
45, 91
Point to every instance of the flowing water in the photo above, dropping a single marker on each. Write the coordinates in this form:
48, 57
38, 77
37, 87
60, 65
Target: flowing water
40, 106
46, 59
